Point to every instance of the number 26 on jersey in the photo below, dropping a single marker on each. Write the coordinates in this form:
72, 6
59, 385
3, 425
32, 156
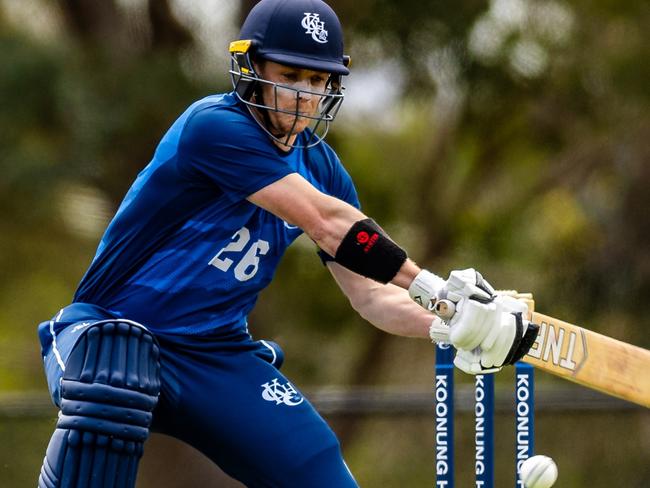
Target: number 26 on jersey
246, 260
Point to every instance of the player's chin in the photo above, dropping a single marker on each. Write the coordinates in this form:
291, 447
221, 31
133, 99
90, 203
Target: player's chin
294, 124
302, 123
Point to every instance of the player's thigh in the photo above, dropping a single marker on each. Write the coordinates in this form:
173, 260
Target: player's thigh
250, 419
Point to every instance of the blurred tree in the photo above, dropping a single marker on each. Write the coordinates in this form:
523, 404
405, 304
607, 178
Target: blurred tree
80, 117
513, 137
167, 31
93, 23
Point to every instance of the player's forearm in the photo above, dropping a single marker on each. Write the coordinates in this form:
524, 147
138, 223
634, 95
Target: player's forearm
390, 309
406, 274
387, 307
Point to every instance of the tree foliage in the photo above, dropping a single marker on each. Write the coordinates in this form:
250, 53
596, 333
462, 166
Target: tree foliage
515, 141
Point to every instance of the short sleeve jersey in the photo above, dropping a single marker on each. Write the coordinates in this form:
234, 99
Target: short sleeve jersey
186, 253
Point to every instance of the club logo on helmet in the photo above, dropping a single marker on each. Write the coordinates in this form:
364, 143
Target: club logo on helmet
313, 25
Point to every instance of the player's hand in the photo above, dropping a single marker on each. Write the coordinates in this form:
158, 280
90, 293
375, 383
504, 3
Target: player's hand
472, 298
427, 287
488, 326
507, 343
513, 337
439, 331
466, 284
475, 315
470, 362
473, 324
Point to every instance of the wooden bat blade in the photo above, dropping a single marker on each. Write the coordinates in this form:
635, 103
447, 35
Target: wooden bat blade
591, 359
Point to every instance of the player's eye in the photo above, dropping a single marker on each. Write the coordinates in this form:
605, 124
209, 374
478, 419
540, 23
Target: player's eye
290, 76
317, 80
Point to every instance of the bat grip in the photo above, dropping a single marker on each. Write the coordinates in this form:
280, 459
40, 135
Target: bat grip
445, 309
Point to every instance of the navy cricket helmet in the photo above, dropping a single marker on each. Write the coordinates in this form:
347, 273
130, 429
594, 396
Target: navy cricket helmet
303, 34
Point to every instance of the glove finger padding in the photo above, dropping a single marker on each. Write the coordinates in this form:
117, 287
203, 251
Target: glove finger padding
511, 304
490, 336
439, 331
467, 283
497, 352
472, 323
516, 337
505, 305
470, 362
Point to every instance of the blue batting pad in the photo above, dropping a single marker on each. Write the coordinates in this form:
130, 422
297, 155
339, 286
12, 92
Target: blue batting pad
108, 390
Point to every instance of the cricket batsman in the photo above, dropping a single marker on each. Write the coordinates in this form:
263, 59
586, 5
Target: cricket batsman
156, 337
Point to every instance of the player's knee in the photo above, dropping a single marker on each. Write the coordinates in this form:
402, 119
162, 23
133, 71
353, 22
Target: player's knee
111, 382
108, 391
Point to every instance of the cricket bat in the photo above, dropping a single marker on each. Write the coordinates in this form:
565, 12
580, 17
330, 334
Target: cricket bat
590, 359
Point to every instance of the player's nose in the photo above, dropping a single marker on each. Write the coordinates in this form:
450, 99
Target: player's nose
304, 92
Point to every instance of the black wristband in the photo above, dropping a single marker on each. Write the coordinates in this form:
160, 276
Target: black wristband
368, 251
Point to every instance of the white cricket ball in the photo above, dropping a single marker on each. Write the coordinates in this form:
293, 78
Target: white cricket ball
538, 472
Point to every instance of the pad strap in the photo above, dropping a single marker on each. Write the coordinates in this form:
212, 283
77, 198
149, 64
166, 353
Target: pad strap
368, 251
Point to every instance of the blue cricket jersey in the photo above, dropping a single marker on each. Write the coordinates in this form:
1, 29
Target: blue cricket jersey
186, 253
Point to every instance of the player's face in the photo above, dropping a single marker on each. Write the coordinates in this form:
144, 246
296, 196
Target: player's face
294, 98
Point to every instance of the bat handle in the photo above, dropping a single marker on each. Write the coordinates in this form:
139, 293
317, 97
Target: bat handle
445, 309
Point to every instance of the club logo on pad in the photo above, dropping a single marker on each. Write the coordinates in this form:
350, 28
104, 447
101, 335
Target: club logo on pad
313, 25
279, 393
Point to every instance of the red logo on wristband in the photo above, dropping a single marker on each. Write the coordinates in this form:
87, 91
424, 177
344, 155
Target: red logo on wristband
371, 242
363, 237
367, 240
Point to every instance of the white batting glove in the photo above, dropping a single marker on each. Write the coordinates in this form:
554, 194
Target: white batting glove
439, 331
502, 336
427, 287
509, 328
473, 324
509, 340
470, 362
487, 330
464, 284
473, 297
